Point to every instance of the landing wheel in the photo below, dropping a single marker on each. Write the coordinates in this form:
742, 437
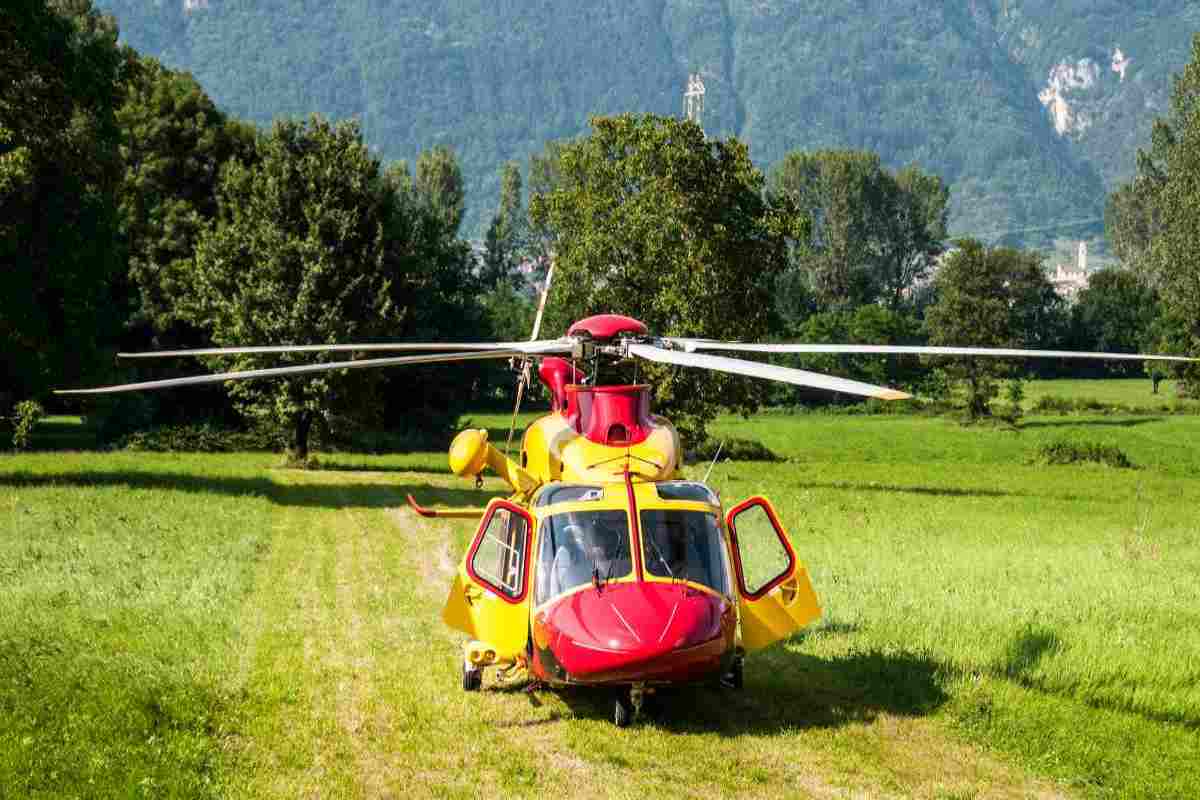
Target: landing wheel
472, 679
734, 678
622, 710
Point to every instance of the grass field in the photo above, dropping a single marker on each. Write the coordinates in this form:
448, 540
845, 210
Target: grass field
215, 626
1131, 392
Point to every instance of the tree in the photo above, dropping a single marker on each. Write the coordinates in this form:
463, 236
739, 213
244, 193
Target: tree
652, 220
434, 283
915, 232
297, 256
174, 142
60, 83
505, 242
1115, 313
1154, 219
875, 234
996, 297
1175, 248
439, 182
869, 324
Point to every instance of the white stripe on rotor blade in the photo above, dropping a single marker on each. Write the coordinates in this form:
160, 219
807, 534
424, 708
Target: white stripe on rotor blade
525, 348
692, 345
771, 372
303, 369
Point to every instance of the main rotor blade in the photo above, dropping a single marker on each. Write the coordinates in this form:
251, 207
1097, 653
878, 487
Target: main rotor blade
692, 345
524, 348
303, 369
771, 372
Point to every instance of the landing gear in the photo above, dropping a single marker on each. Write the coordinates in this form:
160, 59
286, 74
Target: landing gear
472, 678
623, 711
734, 678
628, 704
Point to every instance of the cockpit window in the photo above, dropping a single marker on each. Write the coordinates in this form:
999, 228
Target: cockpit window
686, 545
686, 490
569, 492
578, 547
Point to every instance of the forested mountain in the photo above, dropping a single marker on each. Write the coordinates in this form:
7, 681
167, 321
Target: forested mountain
1030, 109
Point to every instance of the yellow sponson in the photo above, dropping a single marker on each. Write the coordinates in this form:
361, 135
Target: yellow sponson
554, 451
470, 453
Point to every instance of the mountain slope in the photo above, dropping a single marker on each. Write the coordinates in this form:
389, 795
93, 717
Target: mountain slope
1017, 103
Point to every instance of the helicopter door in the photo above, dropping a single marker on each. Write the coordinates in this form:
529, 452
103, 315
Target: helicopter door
490, 596
776, 597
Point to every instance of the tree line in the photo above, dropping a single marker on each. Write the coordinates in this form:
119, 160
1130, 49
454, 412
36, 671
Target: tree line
136, 215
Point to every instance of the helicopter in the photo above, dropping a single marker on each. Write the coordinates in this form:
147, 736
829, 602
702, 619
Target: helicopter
606, 567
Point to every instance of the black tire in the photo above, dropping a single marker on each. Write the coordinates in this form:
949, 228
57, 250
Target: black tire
622, 710
733, 678
472, 679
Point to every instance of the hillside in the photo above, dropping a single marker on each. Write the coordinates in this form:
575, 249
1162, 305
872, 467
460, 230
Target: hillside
1031, 109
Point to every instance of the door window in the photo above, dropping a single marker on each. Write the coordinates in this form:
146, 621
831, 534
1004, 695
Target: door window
763, 555
500, 556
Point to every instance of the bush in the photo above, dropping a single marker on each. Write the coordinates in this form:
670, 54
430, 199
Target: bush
733, 450
201, 438
1078, 451
25, 418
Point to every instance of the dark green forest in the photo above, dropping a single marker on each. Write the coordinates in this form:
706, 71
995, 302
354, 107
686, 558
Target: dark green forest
950, 87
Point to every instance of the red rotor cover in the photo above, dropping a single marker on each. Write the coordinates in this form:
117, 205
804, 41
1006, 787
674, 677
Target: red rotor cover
607, 326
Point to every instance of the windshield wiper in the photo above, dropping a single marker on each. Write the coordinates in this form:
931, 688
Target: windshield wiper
661, 560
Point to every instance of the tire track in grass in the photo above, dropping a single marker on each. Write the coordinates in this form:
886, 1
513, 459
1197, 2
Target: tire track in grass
289, 744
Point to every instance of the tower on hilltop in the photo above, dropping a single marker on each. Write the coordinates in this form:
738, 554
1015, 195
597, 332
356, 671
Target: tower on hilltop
693, 99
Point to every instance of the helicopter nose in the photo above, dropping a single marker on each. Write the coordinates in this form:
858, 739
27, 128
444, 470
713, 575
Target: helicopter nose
635, 632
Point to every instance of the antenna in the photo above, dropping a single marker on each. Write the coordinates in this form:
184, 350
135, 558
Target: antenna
693, 99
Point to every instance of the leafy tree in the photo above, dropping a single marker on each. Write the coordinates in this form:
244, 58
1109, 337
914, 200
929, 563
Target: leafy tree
174, 142
505, 242
915, 228
433, 281
998, 297
1174, 256
845, 193
875, 233
439, 183
1115, 313
869, 324
297, 256
652, 220
60, 82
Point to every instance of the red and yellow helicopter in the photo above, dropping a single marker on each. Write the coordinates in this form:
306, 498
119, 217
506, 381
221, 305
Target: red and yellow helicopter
605, 567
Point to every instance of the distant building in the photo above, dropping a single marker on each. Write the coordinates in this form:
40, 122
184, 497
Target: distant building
1069, 280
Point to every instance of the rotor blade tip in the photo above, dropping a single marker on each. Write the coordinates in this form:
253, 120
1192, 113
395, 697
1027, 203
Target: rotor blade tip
892, 394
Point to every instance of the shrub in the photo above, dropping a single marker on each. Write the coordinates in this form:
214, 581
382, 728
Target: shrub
25, 418
201, 438
1077, 451
734, 450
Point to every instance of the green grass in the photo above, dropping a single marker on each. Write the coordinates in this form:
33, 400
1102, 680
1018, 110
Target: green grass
176, 625
1131, 392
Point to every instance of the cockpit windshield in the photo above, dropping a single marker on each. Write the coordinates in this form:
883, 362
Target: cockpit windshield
685, 545
580, 547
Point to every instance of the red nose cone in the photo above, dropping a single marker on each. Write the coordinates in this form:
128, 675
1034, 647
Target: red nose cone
634, 632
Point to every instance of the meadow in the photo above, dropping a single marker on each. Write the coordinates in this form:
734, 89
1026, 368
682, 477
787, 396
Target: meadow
189, 625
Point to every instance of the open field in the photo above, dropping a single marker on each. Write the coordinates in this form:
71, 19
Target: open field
1131, 392
192, 625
